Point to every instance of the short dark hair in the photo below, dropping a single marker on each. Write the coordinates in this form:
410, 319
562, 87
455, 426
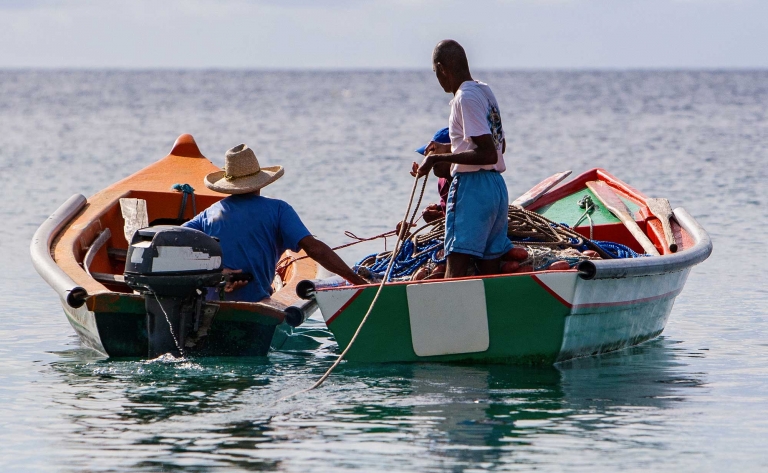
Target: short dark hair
451, 55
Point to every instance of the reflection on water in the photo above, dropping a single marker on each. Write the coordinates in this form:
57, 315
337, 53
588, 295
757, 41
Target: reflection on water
691, 401
221, 412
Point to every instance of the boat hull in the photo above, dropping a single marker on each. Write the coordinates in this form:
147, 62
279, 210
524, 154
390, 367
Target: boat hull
529, 318
119, 330
537, 318
80, 251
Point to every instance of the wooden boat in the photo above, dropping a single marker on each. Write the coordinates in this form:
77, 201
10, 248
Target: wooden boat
81, 249
534, 317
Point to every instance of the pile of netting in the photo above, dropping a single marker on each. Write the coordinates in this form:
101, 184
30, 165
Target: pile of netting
421, 256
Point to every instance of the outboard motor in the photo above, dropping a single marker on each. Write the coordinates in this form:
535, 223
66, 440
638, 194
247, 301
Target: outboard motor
172, 267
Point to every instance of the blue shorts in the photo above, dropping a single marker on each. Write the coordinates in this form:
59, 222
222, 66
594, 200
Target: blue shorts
476, 216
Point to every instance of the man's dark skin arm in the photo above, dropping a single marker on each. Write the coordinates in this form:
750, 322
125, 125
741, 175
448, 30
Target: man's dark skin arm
328, 259
318, 251
443, 169
484, 154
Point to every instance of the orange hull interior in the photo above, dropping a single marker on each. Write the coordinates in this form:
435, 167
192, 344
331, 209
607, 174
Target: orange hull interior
184, 164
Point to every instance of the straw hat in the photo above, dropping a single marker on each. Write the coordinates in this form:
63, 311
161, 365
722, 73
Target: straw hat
242, 173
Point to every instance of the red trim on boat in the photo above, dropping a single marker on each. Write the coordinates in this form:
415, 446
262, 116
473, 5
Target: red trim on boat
580, 182
342, 308
430, 281
634, 301
595, 305
551, 292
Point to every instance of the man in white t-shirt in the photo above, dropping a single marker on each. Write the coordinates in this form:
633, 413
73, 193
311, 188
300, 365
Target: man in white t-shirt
476, 213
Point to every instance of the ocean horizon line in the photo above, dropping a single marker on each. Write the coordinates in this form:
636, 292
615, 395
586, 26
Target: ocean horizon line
374, 69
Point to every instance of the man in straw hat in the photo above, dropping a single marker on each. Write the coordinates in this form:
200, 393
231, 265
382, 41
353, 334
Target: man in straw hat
255, 230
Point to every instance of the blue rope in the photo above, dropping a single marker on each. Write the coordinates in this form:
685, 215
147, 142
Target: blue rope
405, 261
406, 264
616, 250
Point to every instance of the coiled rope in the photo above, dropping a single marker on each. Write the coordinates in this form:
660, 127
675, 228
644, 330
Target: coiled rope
545, 240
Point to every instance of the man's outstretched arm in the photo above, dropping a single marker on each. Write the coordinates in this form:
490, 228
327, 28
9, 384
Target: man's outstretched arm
328, 259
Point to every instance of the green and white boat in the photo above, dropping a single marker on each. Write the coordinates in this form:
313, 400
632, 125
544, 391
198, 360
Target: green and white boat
539, 317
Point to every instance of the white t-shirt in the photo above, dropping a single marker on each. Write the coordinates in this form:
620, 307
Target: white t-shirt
475, 112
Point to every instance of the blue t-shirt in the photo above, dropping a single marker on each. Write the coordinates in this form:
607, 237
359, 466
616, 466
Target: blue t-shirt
253, 231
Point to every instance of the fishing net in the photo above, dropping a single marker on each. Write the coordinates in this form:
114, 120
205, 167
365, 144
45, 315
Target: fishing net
546, 242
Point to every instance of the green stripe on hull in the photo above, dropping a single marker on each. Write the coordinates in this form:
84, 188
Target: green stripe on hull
525, 325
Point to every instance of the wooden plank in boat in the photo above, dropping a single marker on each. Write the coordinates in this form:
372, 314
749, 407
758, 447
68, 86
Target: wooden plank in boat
533, 194
614, 203
663, 211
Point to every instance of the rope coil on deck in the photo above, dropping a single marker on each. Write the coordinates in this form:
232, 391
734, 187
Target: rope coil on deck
546, 242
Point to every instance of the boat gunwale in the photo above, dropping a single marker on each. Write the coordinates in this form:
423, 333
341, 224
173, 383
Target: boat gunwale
653, 265
40, 252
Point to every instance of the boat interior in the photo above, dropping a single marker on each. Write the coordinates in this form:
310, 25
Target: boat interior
92, 248
562, 205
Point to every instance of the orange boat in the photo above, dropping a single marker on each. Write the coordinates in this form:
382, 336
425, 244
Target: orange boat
81, 252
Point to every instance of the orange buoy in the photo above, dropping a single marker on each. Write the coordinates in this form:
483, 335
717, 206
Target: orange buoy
591, 253
438, 272
559, 266
525, 269
420, 274
508, 267
517, 253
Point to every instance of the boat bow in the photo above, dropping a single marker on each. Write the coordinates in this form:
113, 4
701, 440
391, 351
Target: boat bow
652, 265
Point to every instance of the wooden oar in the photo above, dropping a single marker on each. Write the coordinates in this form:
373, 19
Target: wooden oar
663, 211
540, 189
613, 202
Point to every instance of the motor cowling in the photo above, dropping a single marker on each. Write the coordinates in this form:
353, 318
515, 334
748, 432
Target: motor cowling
171, 260
172, 267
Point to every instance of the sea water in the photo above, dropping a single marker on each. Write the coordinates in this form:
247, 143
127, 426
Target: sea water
694, 399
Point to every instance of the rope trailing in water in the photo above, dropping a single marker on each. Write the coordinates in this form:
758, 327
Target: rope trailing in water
400, 239
186, 190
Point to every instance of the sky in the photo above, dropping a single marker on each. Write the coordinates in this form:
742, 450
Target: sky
383, 34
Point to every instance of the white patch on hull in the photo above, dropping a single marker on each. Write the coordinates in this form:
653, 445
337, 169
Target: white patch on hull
448, 317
